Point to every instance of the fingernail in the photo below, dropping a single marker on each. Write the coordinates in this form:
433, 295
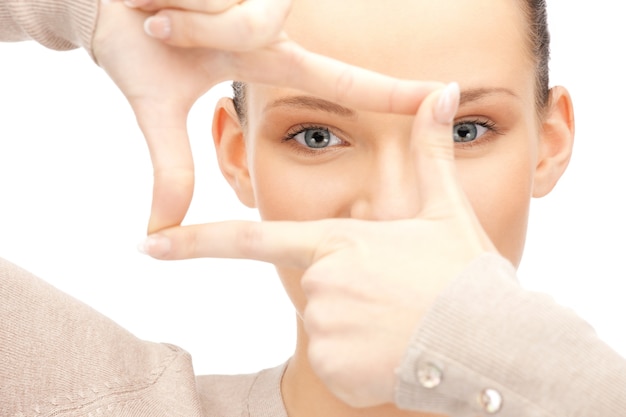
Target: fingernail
158, 27
448, 104
130, 3
155, 245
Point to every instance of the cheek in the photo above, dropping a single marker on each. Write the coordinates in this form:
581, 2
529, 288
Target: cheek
286, 190
499, 189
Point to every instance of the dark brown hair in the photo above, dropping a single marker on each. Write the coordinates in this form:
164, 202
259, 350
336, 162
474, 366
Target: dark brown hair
539, 42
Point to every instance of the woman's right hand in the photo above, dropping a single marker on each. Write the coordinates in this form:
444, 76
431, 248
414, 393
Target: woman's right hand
223, 40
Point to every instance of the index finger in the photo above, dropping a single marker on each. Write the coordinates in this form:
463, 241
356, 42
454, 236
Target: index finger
288, 64
293, 244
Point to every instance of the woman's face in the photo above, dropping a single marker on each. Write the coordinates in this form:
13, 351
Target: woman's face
310, 159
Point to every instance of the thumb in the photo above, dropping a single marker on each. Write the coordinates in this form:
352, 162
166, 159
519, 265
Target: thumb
433, 150
432, 145
164, 125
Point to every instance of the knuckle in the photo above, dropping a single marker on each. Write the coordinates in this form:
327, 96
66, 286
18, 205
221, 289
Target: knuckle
344, 84
261, 26
213, 6
311, 282
393, 97
251, 25
313, 322
322, 360
188, 31
184, 244
295, 62
438, 148
332, 371
249, 237
193, 242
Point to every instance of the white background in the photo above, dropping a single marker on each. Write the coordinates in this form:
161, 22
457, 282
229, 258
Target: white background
75, 184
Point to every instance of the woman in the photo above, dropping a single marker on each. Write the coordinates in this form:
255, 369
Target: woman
538, 163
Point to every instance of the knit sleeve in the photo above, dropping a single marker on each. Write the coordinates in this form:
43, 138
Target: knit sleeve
489, 347
56, 24
61, 358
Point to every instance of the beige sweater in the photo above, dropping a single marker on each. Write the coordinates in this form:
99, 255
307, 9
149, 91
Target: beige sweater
487, 344
59, 357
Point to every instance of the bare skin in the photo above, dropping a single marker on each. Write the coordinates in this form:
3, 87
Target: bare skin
409, 210
162, 83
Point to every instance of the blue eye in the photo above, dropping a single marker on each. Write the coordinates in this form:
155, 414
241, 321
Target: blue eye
468, 131
316, 138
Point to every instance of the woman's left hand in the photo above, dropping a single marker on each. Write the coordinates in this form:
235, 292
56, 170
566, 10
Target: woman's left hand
243, 42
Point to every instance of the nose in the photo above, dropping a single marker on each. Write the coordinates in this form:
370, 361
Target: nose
389, 187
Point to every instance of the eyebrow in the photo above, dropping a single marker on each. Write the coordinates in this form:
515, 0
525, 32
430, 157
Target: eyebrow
319, 104
475, 94
312, 103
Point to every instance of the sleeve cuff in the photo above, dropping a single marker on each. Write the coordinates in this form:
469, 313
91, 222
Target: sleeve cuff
488, 347
56, 24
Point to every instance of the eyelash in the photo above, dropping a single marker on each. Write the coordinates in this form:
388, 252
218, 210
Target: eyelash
296, 130
487, 137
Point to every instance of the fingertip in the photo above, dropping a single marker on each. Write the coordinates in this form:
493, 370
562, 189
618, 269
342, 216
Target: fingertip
158, 26
448, 104
156, 245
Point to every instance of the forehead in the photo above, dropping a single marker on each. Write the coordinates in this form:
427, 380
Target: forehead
444, 40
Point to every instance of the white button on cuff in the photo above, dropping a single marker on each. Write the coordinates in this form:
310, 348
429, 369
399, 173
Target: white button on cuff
490, 400
429, 375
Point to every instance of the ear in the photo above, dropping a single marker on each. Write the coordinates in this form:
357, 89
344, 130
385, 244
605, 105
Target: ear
557, 140
230, 148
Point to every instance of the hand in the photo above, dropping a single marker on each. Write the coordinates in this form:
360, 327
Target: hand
244, 42
368, 284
